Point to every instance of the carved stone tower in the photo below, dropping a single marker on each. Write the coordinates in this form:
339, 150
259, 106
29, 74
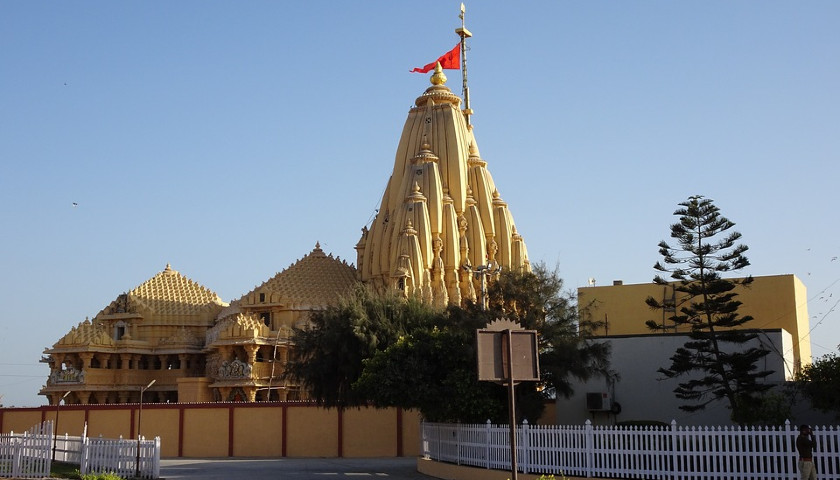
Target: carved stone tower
442, 225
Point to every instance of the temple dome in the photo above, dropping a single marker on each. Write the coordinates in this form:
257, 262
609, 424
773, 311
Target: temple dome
166, 294
316, 280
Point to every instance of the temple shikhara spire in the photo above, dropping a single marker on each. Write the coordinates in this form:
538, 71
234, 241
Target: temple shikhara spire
442, 224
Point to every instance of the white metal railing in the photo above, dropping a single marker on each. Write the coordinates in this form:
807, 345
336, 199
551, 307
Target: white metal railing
26, 455
652, 452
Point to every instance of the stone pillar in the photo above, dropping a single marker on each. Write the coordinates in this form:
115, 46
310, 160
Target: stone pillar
251, 350
251, 392
164, 361
86, 358
125, 358
183, 358
101, 397
104, 360
124, 396
58, 361
84, 397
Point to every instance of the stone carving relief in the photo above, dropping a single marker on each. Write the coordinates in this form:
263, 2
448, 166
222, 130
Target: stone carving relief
67, 375
235, 369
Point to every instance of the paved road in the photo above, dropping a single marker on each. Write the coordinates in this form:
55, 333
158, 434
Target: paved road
292, 468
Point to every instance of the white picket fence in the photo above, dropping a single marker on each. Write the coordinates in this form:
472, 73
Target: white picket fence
26, 455
651, 452
101, 455
120, 456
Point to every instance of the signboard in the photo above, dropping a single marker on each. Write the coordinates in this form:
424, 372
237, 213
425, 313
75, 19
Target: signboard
493, 355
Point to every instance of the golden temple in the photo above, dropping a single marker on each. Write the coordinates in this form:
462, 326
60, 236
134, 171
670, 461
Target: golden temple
442, 231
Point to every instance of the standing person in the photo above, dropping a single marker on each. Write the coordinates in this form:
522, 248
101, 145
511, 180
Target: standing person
806, 445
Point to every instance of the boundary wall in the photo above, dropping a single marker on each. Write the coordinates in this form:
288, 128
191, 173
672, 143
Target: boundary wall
219, 429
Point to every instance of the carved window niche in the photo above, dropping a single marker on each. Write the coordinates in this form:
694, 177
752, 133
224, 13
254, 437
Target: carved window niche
119, 330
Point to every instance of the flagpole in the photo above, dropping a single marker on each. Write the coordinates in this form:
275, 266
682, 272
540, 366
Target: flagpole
464, 34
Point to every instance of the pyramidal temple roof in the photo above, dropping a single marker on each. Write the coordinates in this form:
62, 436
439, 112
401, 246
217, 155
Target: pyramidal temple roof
167, 293
442, 222
316, 280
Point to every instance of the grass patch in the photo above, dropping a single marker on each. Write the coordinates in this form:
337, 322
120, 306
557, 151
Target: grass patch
64, 470
71, 470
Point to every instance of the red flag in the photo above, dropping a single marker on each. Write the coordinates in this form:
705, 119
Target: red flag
450, 60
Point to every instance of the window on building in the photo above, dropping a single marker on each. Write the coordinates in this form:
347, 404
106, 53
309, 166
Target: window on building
266, 318
119, 330
262, 297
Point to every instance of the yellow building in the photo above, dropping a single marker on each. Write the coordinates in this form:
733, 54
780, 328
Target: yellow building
441, 233
777, 301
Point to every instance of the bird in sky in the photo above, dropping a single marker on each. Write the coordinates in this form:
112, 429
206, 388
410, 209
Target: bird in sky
75, 204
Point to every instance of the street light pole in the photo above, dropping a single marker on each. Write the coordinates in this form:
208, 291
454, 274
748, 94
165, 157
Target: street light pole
483, 271
139, 415
55, 433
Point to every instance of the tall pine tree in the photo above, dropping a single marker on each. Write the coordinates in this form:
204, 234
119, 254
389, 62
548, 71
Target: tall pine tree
720, 359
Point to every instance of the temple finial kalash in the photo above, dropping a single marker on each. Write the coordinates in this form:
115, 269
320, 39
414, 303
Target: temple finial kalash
438, 78
462, 232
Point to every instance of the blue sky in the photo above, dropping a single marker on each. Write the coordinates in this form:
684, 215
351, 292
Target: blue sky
226, 138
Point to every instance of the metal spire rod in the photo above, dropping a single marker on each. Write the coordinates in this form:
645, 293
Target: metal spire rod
464, 34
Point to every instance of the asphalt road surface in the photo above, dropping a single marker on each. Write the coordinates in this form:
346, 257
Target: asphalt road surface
292, 469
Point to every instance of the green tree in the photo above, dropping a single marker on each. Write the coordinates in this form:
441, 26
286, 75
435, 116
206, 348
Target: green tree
328, 354
716, 360
820, 383
429, 365
433, 371
536, 300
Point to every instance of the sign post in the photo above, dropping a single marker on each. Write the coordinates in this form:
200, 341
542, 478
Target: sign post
508, 354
